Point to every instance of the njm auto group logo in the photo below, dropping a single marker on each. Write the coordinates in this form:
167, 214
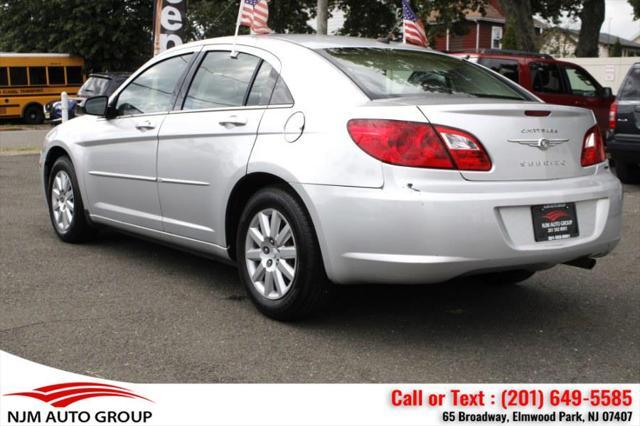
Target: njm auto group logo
61, 396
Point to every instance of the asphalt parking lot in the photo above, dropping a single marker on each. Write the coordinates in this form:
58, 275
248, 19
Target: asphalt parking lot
125, 309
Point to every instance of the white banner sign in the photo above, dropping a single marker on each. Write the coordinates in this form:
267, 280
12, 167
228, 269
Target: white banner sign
34, 394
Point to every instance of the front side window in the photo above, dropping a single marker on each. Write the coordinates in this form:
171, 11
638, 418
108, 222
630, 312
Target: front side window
545, 78
387, 73
18, 76
221, 81
581, 83
37, 76
506, 67
154, 89
56, 75
630, 89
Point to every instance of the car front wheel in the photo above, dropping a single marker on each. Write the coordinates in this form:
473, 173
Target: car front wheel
66, 209
279, 258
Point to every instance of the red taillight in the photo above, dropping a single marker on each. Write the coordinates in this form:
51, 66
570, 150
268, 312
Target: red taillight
613, 115
592, 148
406, 143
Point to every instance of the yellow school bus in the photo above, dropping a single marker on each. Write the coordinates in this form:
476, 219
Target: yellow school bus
28, 81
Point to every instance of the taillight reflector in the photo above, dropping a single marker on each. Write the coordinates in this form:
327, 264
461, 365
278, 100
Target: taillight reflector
613, 115
592, 148
406, 143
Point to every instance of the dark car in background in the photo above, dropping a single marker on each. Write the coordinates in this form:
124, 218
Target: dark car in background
97, 84
555, 82
623, 142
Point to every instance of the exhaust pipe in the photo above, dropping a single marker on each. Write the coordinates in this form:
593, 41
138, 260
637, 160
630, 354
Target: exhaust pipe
582, 262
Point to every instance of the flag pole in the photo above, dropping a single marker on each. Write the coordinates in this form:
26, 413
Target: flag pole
234, 52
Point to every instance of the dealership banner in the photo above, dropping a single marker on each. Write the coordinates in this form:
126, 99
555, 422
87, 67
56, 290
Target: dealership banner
33, 394
169, 24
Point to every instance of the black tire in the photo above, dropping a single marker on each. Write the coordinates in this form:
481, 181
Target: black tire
627, 172
310, 289
79, 229
506, 277
33, 114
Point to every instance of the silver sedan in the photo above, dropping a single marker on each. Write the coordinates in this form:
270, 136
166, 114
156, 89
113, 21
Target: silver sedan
310, 161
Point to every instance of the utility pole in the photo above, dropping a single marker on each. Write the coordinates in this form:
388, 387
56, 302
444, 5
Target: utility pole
323, 16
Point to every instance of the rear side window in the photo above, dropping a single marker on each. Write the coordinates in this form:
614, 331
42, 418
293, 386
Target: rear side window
388, 73
74, 75
269, 88
545, 78
221, 81
630, 89
37, 76
56, 75
4, 78
506, 67
581, 83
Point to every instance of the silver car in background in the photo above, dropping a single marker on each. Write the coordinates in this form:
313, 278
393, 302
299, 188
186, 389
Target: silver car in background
311, 160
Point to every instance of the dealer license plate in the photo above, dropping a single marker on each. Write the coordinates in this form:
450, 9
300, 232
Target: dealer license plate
554, 221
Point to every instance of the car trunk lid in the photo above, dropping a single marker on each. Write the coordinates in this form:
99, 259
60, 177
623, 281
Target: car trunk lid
525, 140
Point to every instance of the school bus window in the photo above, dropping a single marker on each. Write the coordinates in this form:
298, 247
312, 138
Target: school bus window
37, 76
74, 75
18, 76
4, 78
56, 75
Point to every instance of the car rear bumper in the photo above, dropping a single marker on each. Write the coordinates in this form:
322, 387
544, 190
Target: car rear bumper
448, 229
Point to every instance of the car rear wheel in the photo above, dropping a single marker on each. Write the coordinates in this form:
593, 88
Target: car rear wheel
279, 258
506, 277
33, 114
66, 209
627, 172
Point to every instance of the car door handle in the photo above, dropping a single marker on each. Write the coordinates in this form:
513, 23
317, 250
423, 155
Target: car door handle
145, 125
233, 121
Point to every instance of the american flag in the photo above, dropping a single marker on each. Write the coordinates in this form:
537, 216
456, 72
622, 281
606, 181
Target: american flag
255, 14
414, 32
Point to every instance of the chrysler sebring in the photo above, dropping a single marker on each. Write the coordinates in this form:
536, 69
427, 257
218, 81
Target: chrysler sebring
310, 161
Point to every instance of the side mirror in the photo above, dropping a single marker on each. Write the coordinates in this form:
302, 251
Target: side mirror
96, 105
607, 92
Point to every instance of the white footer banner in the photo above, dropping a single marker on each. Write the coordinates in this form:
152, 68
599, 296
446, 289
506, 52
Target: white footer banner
35, 394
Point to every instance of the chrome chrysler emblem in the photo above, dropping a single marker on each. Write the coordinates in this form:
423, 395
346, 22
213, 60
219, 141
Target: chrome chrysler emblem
542, 143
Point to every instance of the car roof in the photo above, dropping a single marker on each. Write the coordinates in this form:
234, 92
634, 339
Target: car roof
309, 41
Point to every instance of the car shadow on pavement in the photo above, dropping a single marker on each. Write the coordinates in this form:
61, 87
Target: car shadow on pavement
461, 301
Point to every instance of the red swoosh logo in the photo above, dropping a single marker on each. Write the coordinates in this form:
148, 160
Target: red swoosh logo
554, 215
64, 394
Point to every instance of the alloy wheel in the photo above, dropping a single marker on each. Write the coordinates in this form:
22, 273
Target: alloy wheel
270, 254
62, 201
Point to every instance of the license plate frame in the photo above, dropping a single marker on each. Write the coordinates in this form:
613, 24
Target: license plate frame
553, 222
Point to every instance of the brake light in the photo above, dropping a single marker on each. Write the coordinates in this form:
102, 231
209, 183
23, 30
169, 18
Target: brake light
406, 143
613, 115
592, 148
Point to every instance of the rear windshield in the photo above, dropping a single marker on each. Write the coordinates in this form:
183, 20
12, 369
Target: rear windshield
388, 73
94, 86
630, 89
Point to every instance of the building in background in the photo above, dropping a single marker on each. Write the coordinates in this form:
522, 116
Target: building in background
480, 31
562, 42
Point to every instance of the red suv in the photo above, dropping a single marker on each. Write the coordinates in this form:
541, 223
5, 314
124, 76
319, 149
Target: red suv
556, 82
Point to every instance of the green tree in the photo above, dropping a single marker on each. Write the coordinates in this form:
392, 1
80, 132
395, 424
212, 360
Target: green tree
216, 18
615, 51
509, 40
110, 34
